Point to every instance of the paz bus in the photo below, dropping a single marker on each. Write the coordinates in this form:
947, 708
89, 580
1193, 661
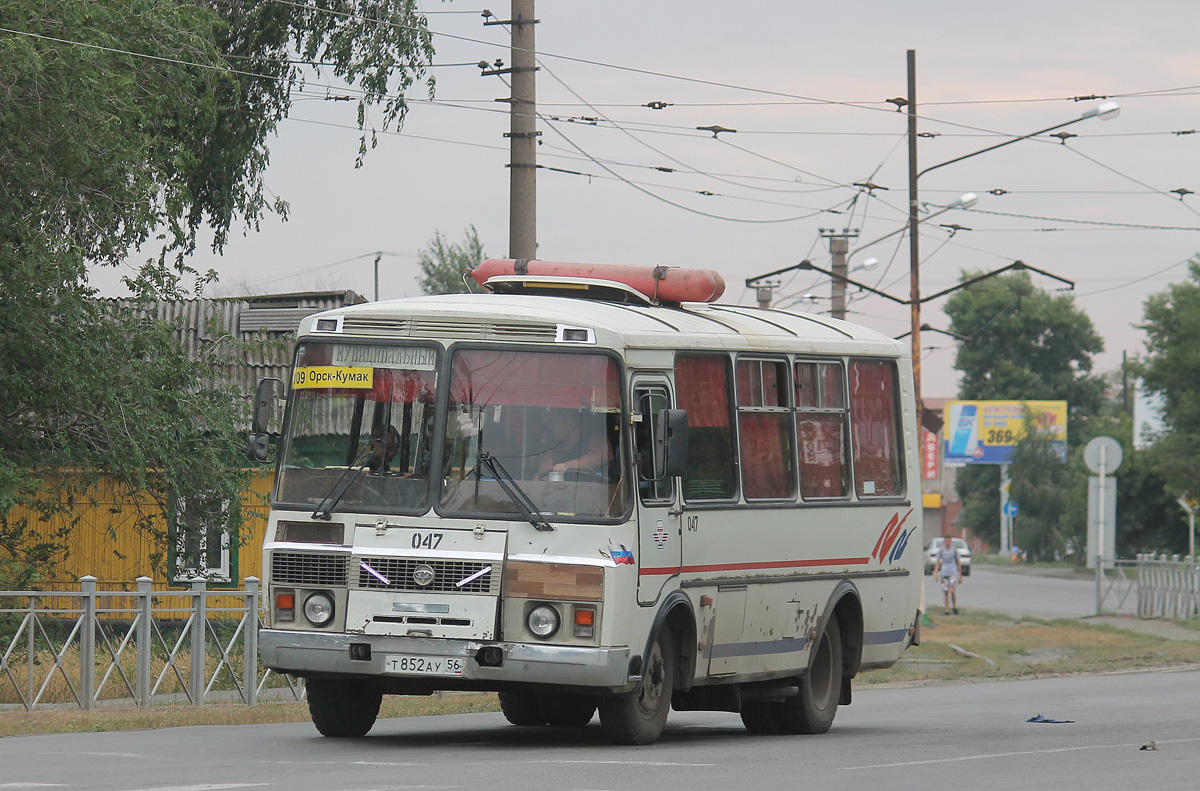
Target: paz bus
591, 488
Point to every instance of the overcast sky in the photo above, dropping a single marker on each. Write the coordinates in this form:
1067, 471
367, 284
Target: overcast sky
805, 84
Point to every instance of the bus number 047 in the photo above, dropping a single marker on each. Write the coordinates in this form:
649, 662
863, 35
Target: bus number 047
426, 540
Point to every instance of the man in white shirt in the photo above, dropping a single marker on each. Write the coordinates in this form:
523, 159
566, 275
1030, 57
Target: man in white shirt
947, 571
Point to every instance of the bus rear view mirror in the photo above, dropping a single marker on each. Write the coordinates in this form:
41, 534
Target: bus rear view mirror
671, 443
267, 399
266, 404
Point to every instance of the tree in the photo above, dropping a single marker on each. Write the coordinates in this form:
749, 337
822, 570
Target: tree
1171, 368
444, 264
131, 124
1024, 344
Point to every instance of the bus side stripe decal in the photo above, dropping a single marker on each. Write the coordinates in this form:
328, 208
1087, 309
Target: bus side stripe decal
762, 648
770, 564
881, 638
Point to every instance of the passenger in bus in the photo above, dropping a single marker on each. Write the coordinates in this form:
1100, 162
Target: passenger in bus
384, 444
574, 445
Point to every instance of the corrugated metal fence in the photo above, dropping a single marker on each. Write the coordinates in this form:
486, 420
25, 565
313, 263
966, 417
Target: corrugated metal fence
88, 648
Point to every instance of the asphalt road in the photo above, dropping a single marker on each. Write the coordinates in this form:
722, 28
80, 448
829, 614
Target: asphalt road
1015, 591
972, 736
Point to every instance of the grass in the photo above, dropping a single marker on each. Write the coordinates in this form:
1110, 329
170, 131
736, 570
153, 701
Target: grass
15, 723
975, 646
979, 646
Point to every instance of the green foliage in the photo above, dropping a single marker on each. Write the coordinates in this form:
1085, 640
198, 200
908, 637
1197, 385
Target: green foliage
444, 264
133, 123
1025, 344
1171, 368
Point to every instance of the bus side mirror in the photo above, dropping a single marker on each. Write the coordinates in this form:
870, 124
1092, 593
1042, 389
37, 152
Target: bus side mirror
266, 405
671, 443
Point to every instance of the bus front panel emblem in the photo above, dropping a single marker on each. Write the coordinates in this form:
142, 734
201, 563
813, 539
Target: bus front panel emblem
423, 575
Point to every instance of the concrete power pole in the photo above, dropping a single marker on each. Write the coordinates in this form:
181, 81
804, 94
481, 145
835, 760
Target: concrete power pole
522, 193
839, 246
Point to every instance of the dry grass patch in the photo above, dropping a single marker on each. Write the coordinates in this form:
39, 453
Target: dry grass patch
15, 723
1005, 647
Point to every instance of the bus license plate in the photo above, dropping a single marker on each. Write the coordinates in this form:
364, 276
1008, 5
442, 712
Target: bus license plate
423, 665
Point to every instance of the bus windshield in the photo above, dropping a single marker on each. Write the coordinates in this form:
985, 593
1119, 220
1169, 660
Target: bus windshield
361, 427
547, 424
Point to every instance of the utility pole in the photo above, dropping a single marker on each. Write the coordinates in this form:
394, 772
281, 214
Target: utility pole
522, 193
839, 246
522, 127
914, 220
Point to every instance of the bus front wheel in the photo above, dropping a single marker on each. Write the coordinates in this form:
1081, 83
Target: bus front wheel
813, 710
342, 708
639, 718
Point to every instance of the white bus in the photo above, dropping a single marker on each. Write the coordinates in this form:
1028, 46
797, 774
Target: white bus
587, 493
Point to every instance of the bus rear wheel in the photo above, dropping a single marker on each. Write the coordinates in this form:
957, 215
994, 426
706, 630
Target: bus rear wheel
639, 718
813, 710
342, 708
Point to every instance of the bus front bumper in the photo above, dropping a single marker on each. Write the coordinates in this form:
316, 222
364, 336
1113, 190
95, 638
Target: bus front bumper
443, 663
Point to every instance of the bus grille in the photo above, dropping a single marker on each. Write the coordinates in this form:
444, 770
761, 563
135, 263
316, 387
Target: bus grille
304, 568
447, 574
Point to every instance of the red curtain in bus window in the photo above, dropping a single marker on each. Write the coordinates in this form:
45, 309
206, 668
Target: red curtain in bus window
402, 386
874, 426
822, 455
702, 388
544, 379
766, 456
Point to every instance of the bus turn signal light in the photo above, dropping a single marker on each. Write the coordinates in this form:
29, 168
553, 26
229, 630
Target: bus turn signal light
585, 622
285, 605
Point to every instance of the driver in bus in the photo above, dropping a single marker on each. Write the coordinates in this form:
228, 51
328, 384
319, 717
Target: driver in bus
384, 445
573, 446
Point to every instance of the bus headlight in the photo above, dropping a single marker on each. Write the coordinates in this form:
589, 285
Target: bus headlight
543, 621
318, 609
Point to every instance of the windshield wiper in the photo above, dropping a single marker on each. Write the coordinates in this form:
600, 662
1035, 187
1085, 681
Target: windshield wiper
514, 491
360, 464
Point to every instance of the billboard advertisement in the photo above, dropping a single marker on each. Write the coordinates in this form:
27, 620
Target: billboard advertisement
987, 432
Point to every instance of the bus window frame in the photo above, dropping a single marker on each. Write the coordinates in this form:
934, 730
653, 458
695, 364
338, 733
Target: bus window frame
787, 388
731, 414
648, 425
283, 450
842, 411
626, 479
899, 446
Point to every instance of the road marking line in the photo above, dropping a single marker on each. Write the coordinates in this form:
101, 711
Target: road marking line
205, 787
1013, 754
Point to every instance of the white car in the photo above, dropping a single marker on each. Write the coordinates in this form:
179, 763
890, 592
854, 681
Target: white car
935, 546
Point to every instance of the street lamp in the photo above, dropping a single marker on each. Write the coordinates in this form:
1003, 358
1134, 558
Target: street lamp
1105, 111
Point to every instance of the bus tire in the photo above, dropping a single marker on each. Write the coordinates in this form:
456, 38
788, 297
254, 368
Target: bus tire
759, 718
813, 710
639, 718
342, 708
568, 711
522, 708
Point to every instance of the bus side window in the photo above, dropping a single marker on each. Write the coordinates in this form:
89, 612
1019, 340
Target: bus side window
874, 419
650, 402
702, 388
765, 429
821, 429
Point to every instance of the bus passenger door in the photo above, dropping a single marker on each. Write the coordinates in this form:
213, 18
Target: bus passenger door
659, 517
